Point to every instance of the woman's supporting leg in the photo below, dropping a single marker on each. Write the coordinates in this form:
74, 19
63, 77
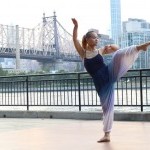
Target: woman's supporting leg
107, 102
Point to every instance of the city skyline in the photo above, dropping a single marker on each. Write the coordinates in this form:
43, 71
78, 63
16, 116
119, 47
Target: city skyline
87, 19
28, 13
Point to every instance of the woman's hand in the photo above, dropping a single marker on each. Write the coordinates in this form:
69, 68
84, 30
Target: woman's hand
75, 22
106, 49
110, 48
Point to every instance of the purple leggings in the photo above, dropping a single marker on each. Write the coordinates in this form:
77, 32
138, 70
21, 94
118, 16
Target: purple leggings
121, 62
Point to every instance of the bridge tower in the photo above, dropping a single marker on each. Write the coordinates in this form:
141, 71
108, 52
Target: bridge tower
51, 24
17, 49
56, 35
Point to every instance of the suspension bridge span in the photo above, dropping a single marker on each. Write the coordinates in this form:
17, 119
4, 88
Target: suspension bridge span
46, 42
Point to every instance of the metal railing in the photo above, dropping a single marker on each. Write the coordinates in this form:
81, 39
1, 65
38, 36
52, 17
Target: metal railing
73, 89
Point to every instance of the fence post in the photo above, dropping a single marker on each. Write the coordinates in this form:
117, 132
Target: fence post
79, 91
141, 92
27, 90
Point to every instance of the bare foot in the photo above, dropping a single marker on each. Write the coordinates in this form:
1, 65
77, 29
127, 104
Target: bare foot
106, 138
144, 46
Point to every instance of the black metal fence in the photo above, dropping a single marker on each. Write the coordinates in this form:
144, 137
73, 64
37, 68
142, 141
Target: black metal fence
73, 89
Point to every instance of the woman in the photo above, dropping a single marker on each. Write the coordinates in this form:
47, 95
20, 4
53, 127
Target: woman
104, 76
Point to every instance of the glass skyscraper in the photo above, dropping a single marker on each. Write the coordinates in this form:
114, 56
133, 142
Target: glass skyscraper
115, 7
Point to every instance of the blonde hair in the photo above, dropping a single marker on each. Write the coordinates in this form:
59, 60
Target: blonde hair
84, 39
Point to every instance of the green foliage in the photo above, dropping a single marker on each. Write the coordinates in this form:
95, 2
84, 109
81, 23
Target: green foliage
3, 72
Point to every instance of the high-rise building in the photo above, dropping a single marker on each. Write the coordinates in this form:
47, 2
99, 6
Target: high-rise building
115, 7
135, 32
136, 25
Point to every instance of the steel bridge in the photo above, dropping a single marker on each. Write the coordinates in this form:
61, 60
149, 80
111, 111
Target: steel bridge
48, 41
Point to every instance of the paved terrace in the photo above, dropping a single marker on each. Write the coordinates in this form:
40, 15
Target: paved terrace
68, 134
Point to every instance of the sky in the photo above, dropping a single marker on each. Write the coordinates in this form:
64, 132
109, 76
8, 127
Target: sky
89, 13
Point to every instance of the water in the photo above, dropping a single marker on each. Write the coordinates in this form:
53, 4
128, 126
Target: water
122, 97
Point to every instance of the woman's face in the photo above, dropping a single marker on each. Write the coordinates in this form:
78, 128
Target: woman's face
93, 39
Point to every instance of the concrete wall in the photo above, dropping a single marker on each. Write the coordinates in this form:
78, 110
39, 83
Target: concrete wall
130, 116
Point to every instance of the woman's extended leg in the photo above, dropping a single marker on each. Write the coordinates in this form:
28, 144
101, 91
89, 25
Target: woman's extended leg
122, 61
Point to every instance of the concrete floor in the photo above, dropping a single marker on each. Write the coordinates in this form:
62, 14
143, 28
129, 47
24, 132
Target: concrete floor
59, 134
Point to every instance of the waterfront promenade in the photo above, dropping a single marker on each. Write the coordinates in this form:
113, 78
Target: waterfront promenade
71, 134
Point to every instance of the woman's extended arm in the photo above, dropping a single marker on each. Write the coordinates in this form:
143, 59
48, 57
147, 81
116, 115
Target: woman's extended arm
110, 49
75, 38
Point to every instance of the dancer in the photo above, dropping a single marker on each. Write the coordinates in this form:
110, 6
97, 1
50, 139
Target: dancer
104, 76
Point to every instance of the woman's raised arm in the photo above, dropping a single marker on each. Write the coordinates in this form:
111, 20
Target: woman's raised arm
77, 44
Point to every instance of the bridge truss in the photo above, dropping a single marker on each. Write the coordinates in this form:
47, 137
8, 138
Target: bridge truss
48, 41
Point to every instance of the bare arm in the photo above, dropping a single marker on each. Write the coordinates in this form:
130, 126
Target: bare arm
110, 49
77, 44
